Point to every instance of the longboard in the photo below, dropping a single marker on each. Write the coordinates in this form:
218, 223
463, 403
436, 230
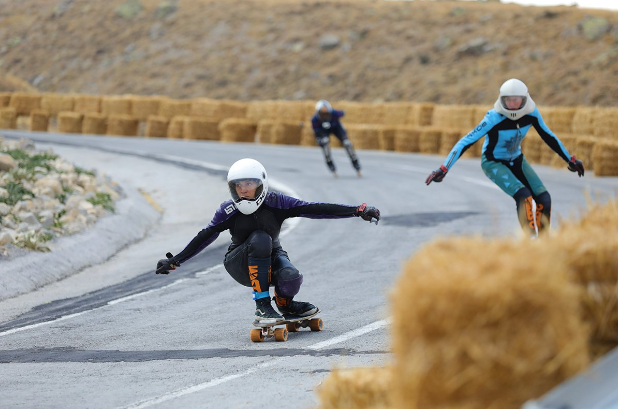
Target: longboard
292, 324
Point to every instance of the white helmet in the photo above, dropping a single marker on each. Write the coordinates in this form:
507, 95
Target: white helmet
324, 106
249, 170
514, 88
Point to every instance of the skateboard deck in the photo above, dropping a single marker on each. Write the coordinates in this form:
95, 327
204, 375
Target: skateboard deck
292, 324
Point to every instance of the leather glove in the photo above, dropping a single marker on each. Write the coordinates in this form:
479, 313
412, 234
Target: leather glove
437, 175
575, 165
164, 266
368, 213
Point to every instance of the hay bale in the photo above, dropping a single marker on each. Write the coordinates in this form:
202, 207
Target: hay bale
24, 103
360, 113
87, 103
8, 118
143, 107
582, 123
116, 105
286, 133
569, 141
605, 157
56, 103
532, 146
308, 137
357, 388
449, 137
39, 120
171, 108
395, 113
464, 334
364, 136
559, 119
386, 137
176, 127
157, 127
201, 129
584, 147
291, 111
70, 122
94, 123
430, 140
421, 114
238, 130
217, 109
259, 110
454, 116
407, 139
5, 99
605, 123
122, 125
264, 130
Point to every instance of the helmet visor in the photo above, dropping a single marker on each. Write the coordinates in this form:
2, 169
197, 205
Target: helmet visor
513, 102
324, 114
245, 189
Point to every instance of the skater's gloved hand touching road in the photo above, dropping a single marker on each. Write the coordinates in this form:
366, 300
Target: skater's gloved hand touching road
437, 175
368, 213
164, 266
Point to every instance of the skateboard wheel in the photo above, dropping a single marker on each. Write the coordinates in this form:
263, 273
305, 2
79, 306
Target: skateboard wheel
316, 324
293, 326
281, 334
256, 335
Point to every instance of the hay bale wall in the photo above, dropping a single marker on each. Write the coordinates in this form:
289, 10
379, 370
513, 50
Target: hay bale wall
430, 140
407, 139
116, 105
201, 129
122, 125
605, 158
24, 103
39, 120
605, 123
420, 114
56, 103
286, 133
559, 119
94, 124
70, 122
264, 130
87, 103
176, 127
358, 388
143, 107
8, 118
259, 110
386, 137
170, 108
237, 130
5, 99
396, 113
364, 136
157, 127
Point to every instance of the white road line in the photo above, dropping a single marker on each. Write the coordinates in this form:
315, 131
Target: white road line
223, 379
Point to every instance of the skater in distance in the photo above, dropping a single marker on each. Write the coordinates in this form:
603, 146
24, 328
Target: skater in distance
255, 258
502, 160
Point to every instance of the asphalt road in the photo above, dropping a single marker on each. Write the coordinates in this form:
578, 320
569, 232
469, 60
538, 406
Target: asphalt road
119, 336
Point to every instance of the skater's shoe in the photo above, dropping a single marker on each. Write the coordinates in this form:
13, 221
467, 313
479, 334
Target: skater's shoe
331, 166
288, 307
265, 313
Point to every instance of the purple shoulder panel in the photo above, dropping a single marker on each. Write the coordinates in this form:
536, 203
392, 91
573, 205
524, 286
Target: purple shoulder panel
226, 210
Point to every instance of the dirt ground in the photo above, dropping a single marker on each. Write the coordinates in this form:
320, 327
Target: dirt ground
447, 52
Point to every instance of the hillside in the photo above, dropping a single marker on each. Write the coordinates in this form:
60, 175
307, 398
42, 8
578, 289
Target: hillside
445, 52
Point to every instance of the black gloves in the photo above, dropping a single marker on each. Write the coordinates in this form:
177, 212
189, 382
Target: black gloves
575, 165
164, 266
368, 213
437, 175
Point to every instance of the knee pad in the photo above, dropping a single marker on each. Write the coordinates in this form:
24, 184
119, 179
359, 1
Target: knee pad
260, 244
322, 140
346, 142
288, 282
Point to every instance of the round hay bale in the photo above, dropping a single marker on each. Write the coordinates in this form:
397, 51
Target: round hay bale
70, 122
605, 157
176, 127
364, 136
429, 140
94, 123
157, 127
238, 130
171, 108
201, 129
39, 120
56, 103
407, 139
116, 105
264, 130
143, 107
122, 125
87, 103
357, 388
286, 133
24, 103
469, 331
386, 137
8, 118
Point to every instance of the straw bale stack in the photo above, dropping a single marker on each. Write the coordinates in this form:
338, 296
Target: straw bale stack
264, 130
87, 103
143, 107
206, 108
232, 109
308, 138
309, 109
259, 110
122, 125
430, 140
396, 113
156, 127
360, 113
449, 137
364, 136
421, 114
5, 99
201, 129
39, 120
569, 141
584, 149
238, 130
70, 122
358, 388
176, 127
582, 123
24, 103
464, 334
407, 139
386, 137
532, 146
605, 123
454, 116
8, 118
605, 157
171, 108
559, 119
56, 103
116, 105
286, 133
291, 111
94, 123
479, 112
